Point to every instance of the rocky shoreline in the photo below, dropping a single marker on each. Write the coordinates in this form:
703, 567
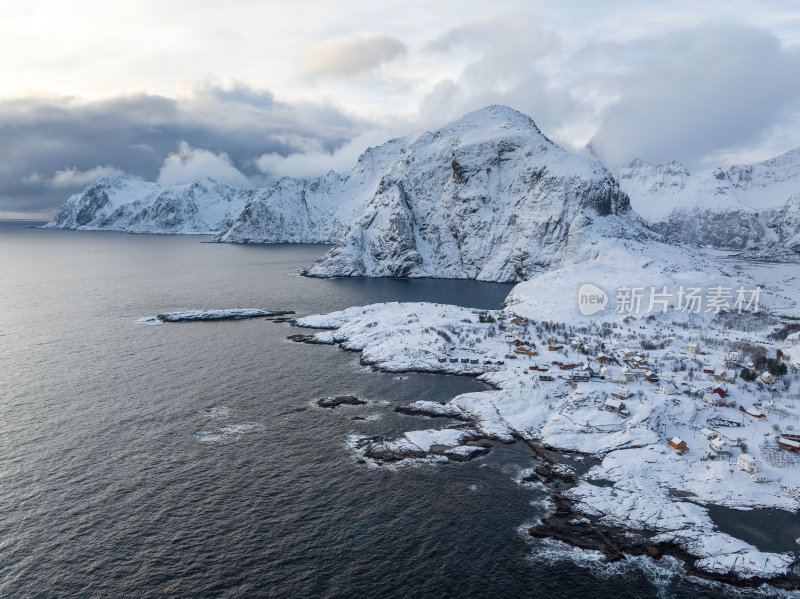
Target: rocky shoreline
568, 523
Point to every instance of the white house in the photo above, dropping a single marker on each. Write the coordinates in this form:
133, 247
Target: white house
767, 378
621, 393
748, 463
719, 446
692, 348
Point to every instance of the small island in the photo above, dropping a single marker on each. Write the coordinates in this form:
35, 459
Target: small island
228, 314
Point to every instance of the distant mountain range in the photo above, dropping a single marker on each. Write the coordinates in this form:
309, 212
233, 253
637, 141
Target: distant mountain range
486, 197
753, 207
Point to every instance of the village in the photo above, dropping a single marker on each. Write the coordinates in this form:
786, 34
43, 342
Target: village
679, 414
740, 405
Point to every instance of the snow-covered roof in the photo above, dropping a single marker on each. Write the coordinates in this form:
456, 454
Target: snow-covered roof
718, 443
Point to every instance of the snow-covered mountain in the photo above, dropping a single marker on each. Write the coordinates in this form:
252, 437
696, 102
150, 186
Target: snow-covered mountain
317, 210
113, 204
744, 207
487, 197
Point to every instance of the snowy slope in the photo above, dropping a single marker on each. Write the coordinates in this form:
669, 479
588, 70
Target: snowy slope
113, 204
318, 210
487, 197
744, 207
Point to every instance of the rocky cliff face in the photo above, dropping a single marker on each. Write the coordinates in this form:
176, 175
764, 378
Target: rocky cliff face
487, 197
112, 204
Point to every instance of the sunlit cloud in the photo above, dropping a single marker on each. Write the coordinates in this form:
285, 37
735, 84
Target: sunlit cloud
346, 57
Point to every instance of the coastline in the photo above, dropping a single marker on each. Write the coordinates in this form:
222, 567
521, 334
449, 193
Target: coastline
576, 519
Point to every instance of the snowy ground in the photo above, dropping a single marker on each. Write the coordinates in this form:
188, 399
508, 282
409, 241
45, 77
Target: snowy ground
641, 483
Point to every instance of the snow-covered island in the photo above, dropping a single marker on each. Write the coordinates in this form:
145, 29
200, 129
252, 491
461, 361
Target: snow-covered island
222, 314
680, 413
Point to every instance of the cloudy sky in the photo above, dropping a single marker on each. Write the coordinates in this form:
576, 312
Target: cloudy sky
248, 91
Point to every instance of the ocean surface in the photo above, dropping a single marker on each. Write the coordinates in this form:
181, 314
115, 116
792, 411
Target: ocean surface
190, 460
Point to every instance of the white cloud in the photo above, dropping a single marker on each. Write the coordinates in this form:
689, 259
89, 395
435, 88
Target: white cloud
318, 162
71, 177
345, 57
189, 164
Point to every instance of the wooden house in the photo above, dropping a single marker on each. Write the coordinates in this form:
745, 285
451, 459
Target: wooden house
678, 444
767, 378
788, 444
713, 400
721, 390
722, 377
708, 433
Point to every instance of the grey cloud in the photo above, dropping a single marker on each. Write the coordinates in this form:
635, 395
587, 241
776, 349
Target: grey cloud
50, 145
694, 93
506, 69
346, 57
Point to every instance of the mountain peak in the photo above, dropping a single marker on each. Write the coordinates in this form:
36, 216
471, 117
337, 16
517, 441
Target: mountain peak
495, 118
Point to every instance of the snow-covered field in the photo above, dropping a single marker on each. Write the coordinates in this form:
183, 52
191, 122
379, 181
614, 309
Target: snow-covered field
619, 389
